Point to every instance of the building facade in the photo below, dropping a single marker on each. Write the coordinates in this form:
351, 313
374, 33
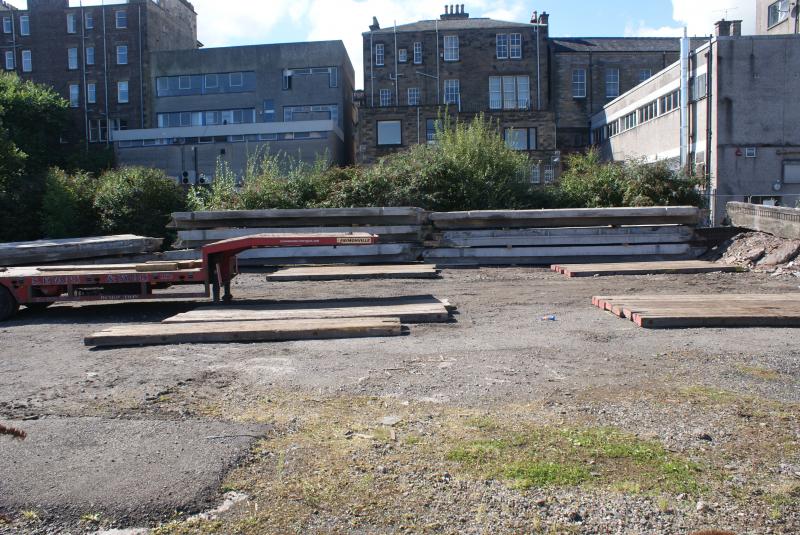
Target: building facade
96, 57
416, 73
775, 17
215, 105
733, 122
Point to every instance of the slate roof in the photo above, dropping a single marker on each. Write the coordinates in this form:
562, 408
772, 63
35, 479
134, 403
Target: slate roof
454, 24
620, 44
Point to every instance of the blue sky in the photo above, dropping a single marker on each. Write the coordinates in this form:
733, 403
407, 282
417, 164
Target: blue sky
243, 22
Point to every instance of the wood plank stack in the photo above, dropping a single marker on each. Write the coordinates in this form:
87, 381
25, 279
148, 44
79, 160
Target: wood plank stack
643, 268
98, 248
281, 321
325, 273
724, 310
504, 237
400, 231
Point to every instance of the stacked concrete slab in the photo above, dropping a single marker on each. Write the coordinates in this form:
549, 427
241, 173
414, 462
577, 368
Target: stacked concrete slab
536, 237
105, 249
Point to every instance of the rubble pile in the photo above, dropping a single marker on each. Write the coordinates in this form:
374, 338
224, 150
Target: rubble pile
761, 252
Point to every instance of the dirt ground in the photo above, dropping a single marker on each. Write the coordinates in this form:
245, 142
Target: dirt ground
498, 422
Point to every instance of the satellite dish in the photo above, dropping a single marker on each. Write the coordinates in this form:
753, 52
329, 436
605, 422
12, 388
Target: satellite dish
777, 186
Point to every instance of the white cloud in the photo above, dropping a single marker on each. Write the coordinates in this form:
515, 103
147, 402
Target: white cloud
699, 18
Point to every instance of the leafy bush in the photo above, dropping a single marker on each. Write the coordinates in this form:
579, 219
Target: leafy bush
589, 182
68, 205
137, 200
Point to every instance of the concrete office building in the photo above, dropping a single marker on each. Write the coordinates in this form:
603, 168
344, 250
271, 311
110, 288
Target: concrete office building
777, 17
96, 57
733, 119
461, 66
228, 103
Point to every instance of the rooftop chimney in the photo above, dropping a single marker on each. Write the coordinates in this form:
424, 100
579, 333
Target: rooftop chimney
374, 26
722, 28
736, 28
454, 12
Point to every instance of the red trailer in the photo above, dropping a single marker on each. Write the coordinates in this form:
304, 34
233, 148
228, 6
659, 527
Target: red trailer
39, 287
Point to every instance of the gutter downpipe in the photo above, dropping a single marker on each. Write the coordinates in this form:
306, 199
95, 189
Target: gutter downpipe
371, 71
538, 72
396, 81
105, 76
684, 133
83, 73
141, 70
709, 132
438, 77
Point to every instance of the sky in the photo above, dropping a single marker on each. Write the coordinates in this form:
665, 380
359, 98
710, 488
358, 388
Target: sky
245, 22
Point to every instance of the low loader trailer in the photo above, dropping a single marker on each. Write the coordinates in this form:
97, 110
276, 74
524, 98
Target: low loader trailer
39, 287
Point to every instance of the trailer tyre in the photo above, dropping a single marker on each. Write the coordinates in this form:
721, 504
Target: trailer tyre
8, 305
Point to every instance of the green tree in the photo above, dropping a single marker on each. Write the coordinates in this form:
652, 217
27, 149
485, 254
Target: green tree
33, 118
68, 205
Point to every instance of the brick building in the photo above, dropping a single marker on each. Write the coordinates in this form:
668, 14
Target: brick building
461, 66
96, 57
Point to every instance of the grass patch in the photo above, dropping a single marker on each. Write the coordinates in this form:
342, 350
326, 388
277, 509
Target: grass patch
759, 373
548, 456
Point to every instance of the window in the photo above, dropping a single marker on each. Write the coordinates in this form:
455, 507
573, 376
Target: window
750, 152
379, 55
91, 93
451, 48
520, 138
74, 95
386, 97
24, 25
89, 24
669, 102
269, 111
333, 77
90, 55
413, 96
417, 53
235, 79
287, 80
645, 74
648, 112
72, 58
495, 93
452, 92
122, 92
791, 171
122, 19
184, 82
6, 24
629, 121
97, 130
27, 62
515, 40
9, 61
71, 23
390, 133
432, 126
777, 12
402, 55
579, 83
211, 81
509, 92
698, 87
501, 46
612, 83
122, 54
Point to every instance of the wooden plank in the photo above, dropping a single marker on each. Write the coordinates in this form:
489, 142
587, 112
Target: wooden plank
408, 313
321, 273
27, 253
643, 268
574, 217
543, 237
249, 331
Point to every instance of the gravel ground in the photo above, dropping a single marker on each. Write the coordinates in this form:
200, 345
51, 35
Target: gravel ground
721, 401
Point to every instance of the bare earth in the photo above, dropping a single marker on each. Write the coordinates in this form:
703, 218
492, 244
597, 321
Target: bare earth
500, 421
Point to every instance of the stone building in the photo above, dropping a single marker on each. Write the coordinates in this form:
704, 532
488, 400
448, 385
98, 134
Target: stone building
96, 57
459, 66
225, 104
732, 119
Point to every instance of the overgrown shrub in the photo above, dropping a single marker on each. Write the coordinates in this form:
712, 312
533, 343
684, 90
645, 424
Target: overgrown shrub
137, 200
589, 182
68, 205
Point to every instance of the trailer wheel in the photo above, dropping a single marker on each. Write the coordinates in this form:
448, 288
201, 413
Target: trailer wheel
8, 305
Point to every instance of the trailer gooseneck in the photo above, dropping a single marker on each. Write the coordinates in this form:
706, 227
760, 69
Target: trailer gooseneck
39, 287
